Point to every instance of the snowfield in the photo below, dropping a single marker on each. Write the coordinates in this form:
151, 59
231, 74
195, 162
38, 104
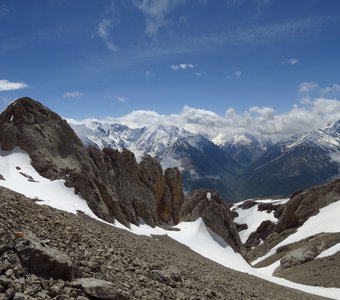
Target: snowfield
21, 177
252, 217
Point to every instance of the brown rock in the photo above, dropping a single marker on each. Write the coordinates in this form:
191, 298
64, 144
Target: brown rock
44, 261
215, 214
173, 179
306, 204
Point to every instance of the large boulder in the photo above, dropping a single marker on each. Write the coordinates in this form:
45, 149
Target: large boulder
299, 256
99, 289
209, 206
307, 203
43, 260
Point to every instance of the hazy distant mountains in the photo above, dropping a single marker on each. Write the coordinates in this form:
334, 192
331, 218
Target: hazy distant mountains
241, 167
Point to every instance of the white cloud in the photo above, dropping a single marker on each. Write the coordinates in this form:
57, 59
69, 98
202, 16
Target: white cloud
307, 87
6, 85
291, 61
122, 99
256, 120
103, 31
334, 89
235, 74
182, 67
238, 74
155, 12
74, 94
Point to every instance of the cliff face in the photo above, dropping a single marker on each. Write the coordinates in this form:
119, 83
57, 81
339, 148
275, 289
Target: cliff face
113, 183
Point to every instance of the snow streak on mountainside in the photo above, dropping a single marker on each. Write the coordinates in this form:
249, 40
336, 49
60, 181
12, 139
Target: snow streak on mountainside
241, 167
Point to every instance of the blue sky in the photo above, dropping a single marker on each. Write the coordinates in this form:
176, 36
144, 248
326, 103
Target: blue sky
104, 58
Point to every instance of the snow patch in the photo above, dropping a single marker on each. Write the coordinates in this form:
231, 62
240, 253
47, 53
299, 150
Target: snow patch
53, 193
330, 251
327, 220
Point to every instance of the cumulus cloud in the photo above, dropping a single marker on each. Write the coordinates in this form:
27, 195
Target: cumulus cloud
74, 94
103, 31
182, 67
259, 121
6, 85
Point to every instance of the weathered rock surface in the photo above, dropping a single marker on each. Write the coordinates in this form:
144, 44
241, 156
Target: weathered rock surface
299, 256
100, 289
114, 185
133, 267
173, 179
265, 229
291, 215
44, 261
209, 206
307, 203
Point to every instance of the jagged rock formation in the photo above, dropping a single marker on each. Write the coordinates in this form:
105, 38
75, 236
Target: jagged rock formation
114, 185
307, 203
265, 229
209, 206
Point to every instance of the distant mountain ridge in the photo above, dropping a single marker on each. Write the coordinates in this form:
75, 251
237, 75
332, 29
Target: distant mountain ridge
240, 167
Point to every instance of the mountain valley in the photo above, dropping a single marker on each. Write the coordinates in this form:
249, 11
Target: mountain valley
242, 167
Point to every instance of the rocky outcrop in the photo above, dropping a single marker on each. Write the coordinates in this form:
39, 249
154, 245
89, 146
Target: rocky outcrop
300, 256
265, 229
114, 185
173, 179
209, 206
307, 203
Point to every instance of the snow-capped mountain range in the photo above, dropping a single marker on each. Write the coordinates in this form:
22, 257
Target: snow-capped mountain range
242, 166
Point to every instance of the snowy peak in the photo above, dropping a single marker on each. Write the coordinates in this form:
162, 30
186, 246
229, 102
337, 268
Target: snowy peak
153, 140
244, 148
327, 138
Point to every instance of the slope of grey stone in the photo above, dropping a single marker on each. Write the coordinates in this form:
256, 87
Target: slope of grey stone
133, 267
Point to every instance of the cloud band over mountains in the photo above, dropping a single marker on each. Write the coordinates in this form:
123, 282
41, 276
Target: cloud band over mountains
258, 121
